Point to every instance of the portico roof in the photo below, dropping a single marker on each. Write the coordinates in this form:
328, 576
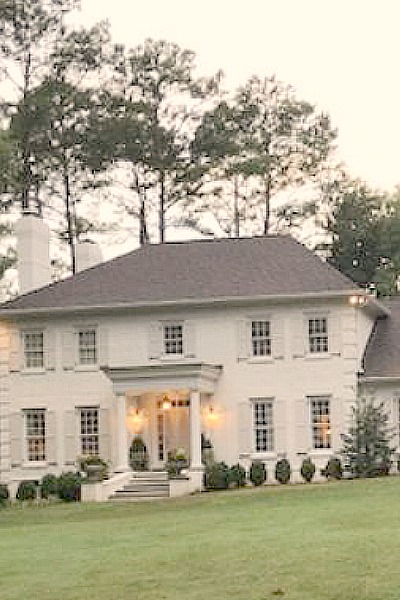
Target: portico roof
202, 377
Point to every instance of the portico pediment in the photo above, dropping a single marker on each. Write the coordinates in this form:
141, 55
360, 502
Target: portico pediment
202, 377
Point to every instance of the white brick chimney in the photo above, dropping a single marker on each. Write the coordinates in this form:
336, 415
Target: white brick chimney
33, 249
88, 254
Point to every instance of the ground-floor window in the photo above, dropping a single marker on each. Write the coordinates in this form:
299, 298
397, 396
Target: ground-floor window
263, 424
320, 407
89, 430
35, 428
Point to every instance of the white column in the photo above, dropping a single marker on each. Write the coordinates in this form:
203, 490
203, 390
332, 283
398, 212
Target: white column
122, 435
195, 432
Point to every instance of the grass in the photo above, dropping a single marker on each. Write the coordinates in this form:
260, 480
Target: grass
335, 541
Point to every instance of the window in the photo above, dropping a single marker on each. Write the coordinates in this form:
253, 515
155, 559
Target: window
318, 335
35, 426
263, 425
89, 431
87, 344
261, 338
33, 349
321, 422
173, 339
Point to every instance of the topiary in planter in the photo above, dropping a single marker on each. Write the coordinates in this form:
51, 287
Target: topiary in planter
95, 468
237, 475
27, 490
283, 471
333, 469
307, 470
69, 486
216, 476
49, 486
4, 494
258, 472
138, 455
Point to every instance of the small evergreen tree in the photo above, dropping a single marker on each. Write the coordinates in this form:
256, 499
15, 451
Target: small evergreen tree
366, 447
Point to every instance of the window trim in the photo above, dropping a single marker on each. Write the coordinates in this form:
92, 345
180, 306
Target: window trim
82, 329
81, 436
38, 368
27, 461
270, 429
322, 398
265, 338
172, 355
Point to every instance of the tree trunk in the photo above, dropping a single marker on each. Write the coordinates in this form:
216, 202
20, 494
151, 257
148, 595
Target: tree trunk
236, 206
161, 222
69, 218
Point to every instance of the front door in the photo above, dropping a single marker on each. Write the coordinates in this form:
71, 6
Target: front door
172, 429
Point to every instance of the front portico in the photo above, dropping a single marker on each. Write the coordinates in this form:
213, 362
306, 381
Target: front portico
144, 391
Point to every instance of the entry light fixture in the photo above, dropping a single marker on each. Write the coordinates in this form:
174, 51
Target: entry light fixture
357, 300
136, 419
166, 403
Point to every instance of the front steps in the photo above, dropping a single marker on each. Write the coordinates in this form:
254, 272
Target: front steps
143, 485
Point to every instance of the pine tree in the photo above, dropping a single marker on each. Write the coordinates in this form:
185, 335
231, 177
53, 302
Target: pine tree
366, 446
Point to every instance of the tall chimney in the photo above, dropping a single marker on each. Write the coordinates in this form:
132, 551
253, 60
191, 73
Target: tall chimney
88, 254
33, 249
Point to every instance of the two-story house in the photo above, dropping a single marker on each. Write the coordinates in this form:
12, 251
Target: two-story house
254, 342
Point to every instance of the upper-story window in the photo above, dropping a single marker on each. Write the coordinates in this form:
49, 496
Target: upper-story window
261, 338
320, 421
173, 338
35, 428
318, 335
263, 424
33, 349
87, 346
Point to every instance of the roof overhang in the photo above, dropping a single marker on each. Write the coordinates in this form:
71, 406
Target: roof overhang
384, 380
202, 377
371, 304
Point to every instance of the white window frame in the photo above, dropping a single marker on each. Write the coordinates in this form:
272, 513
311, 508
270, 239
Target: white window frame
178, 341
35, 433
89, 430
261, 341
30, 362
266, 429
317, 336
320, 426
88, 348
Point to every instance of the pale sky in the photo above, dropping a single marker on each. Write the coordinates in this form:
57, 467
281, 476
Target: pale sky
342, 55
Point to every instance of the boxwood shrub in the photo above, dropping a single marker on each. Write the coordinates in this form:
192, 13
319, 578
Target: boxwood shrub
333, 469
4, 494
258, 472
27, 490
217, 476
307, 470
49, 486
283, 470
237, 475
69, 486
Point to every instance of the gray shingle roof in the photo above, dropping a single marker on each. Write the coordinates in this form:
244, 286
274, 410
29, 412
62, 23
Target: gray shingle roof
196, 270
382, 354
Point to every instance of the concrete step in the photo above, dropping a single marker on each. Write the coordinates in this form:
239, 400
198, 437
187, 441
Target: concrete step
143, 485
150, 486
150, 475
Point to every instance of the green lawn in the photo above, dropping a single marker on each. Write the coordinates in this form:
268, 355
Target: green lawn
330, 541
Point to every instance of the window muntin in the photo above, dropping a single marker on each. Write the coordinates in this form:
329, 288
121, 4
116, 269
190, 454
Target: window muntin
89, 431
263, 424
173, 338
318, 335
87, 346
260, 338
33, 349
35, 428
320, 422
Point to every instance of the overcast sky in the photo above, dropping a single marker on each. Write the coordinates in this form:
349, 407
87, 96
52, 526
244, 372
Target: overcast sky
342, 55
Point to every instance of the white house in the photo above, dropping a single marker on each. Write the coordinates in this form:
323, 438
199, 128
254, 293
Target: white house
254, 342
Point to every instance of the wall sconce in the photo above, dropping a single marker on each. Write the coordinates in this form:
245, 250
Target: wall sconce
357, 300
136, 419
211, 416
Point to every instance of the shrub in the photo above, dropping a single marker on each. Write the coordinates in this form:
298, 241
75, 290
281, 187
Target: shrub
307, 470
258, 472
138, 455
69, 486
283, 471
216, 476
27, 490
237, 475
4, 494
207, 451
333, 468
49, 486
